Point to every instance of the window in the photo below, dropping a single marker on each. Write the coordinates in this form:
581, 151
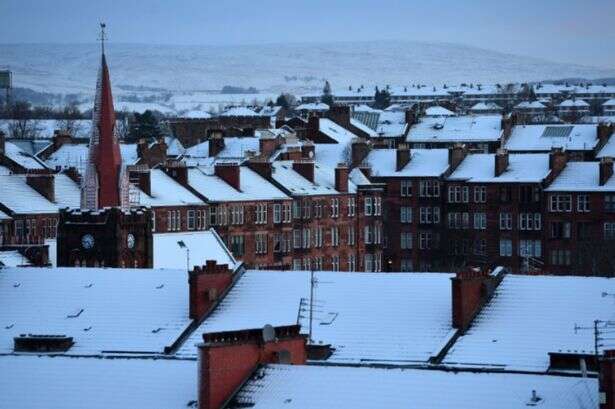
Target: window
480, 247
173, 220
306, 242
406, 240
335, 236
368, 235
352, 206
530, 248
609, 231
153, 221
560, 203
428, 215
480, 221
465, 194
296, 209
368, 262
296, 264
237, 215
260, 240
286, 212
351, 235
455, 195
560, 230
505, 221
296, 238
277, 213
584, 231
335, 263
318, 263
191, 220
307, 263
406, 264
505, 195
318, 233
335, 208
506, 248
530, 221
368, 206
405, 214
377, 206
529, 194
378, 233
560, 257
307, 209
352, 262
429, 188
279, 243
318, 209
261, 214
237, 245
582, 203
425, 240
406, 188
480, 194
609, 203
201, 219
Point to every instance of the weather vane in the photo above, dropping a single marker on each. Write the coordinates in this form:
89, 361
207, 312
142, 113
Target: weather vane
102, 36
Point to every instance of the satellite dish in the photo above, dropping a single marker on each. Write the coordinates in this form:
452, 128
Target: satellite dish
284, 357
268, 333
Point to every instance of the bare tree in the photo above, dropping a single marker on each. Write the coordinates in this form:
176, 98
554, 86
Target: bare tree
70, 120
22, 124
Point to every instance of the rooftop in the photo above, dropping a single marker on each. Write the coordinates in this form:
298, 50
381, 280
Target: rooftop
166, 191
581, 177
423, 163
480, 168
541, 138
470, 128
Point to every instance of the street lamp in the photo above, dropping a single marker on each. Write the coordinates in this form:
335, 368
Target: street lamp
182, 245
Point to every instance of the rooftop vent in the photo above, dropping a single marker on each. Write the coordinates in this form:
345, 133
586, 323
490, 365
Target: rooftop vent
42, 343
557, 131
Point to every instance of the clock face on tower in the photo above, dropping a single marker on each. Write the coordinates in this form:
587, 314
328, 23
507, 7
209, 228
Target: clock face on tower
87, 241
130, 241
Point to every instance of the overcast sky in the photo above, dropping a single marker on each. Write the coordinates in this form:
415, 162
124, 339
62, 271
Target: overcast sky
565, 30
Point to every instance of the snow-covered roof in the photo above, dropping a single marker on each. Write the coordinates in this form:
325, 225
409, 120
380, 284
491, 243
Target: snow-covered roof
530, 105
239, 111
75, 155
309, 386
12, 258
581, 177
391, 124
437, 110
485, 106
530, 316
72, 383
608, 149
234, 147
45, 128
17, 155
541, 138
166, 191
203, 245
4, 216
470, 128
103, 309
331, 154
174, 146
323, 184
390, 318
423, 163
67, 192
522, 168
360, 125
334, 131
573, 103
20, 198
313, 106
196, 113
358, 178
252, 186
609, 103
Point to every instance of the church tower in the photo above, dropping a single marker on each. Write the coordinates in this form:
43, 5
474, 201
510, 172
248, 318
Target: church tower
107, 231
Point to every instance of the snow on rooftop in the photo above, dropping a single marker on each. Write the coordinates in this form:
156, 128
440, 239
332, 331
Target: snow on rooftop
17, 155
530, 105
469, 128
16, 195
423, 163
573, 103
360, 125
334, 131
313, 106
195, 113
581, 177
67, 191
203, 246
252, 186
239, 111
527, 138
12, 258
437, 110
166, 191
367, 317
293, 386
323, 184
75, 155
485, 106
608, 149
522, 168
530, 316
331, 154
73, 383
103, 309
174, 146
609, 103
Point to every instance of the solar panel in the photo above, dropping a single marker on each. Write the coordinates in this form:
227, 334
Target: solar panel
557, 131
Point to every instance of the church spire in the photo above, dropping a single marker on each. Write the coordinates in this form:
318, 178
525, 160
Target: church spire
103, 183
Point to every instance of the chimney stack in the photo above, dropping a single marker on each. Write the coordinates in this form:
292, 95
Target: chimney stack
359, 149
73, 174
206, 285
43, 184
604, 132
262, 166
140, 176
305, 168
216, 143
227, 359
340, 114
403, 156
60, 138
341, 178
176, 170
229, 172
267, 146
606, 169
471, 290
501, 161
456, 155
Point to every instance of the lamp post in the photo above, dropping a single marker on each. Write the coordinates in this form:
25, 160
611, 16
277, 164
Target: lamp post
182, 245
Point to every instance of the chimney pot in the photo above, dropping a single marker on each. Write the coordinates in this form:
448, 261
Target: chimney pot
606, 170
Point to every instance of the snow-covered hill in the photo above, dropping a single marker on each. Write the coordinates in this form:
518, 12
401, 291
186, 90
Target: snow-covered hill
71, 68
